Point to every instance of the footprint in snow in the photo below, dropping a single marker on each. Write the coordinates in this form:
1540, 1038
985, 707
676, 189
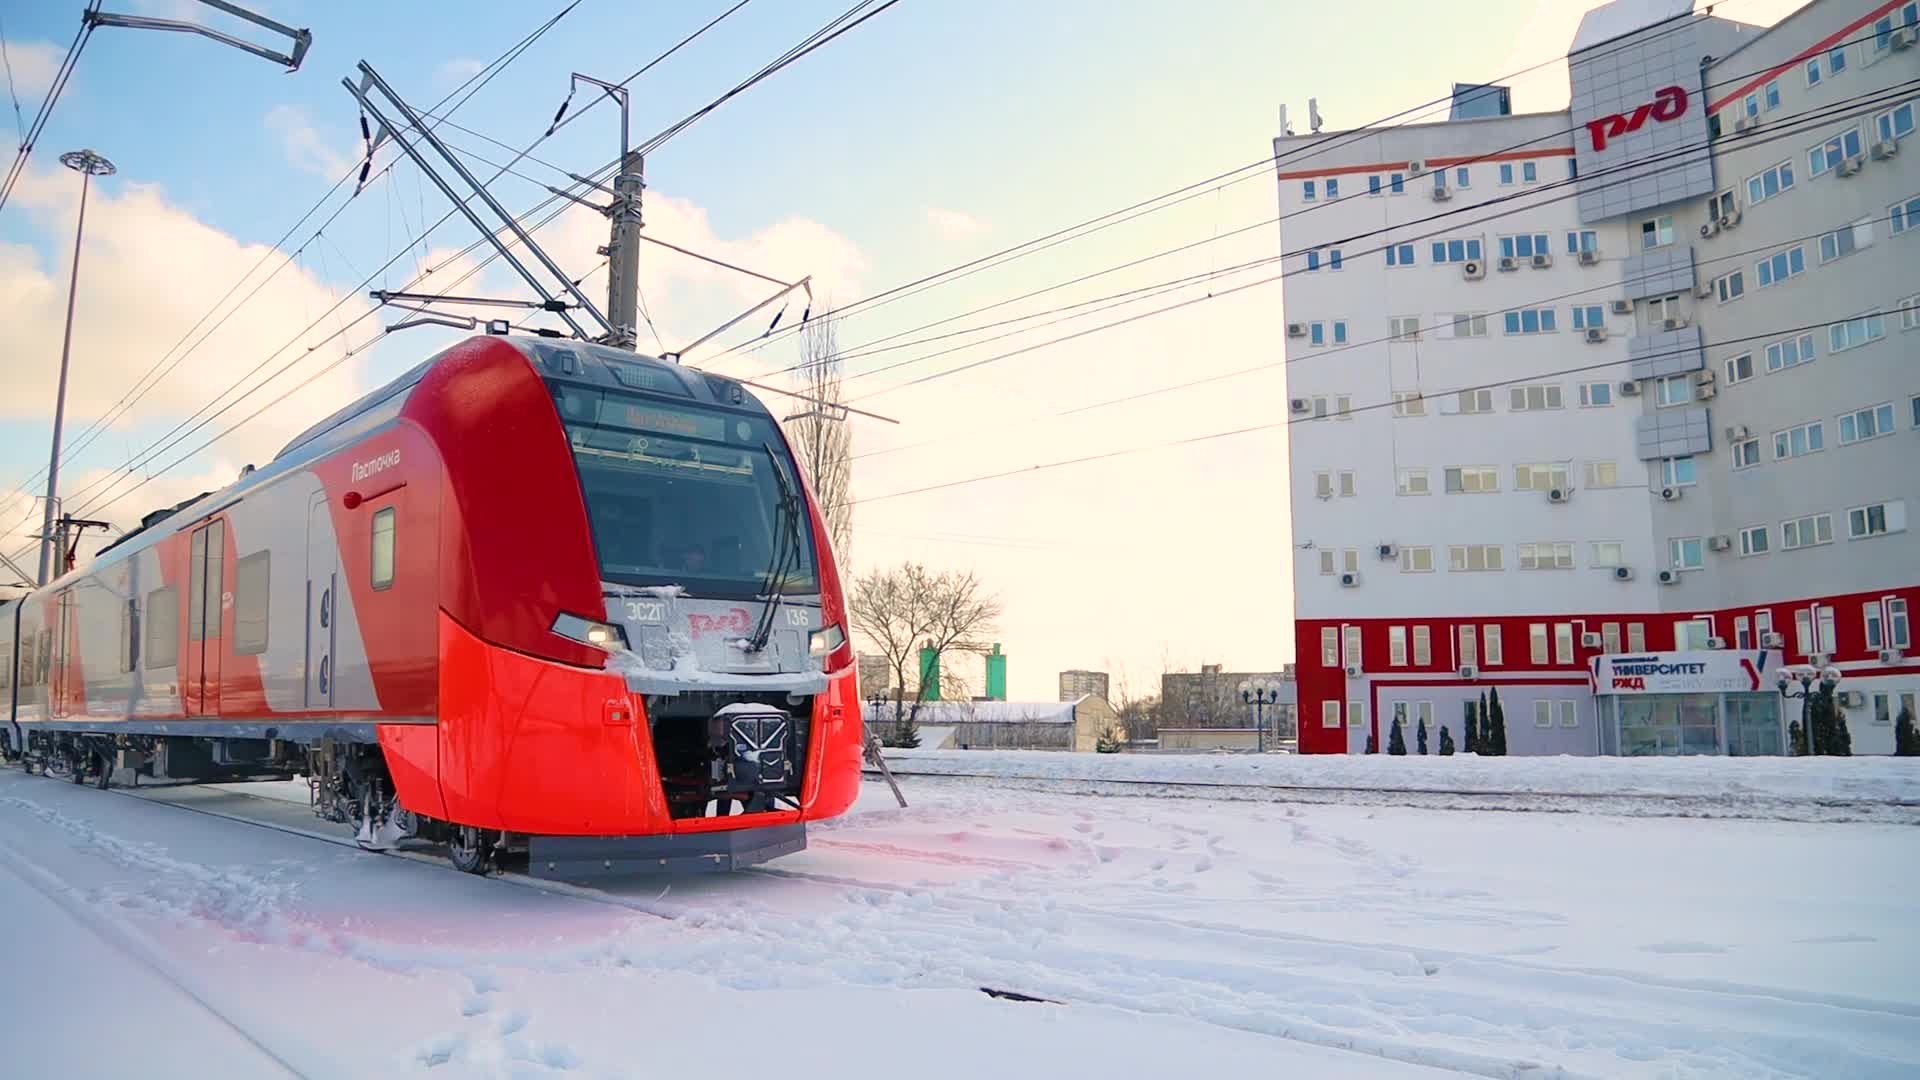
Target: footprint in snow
512, 1023
1083, 826
484, 982
475, 1006
440, 1050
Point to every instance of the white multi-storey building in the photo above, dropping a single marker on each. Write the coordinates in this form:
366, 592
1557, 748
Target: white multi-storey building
1528, 360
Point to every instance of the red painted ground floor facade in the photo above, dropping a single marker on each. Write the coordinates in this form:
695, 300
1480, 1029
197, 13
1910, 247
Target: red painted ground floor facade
1356, 676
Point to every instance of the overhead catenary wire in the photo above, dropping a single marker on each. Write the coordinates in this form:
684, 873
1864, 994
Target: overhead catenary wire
867, 348
54, 89
819, 39
19, 119
1201, 187
1771, 335
1636, 168
160, 368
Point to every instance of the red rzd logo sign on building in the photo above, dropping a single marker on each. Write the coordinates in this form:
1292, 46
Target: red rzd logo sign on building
1666, 105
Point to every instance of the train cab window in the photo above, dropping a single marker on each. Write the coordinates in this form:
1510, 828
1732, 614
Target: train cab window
163, 628
251, 581
382, 562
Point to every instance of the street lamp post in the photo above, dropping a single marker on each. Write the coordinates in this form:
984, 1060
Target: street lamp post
1260, 693
1807, 677
89, 165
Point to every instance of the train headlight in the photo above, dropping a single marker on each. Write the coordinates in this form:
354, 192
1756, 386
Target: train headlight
600, 635
822, 642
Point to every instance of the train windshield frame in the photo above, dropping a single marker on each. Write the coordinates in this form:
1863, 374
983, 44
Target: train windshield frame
680, 493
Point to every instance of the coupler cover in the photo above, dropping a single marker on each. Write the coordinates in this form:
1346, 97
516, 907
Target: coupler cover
578, 858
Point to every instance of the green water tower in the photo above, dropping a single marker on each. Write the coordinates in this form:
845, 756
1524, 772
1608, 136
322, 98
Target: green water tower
996, 675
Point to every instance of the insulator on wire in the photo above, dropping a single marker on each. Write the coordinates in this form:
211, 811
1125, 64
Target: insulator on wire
776, 319
560, 112
806, 313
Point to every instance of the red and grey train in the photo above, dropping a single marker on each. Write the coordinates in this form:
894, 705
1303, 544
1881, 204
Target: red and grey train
532, 596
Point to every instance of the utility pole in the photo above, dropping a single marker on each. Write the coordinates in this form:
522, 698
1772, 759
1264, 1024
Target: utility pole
623, 242
89, 165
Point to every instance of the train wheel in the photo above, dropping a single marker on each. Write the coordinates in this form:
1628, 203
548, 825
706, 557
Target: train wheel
470, 849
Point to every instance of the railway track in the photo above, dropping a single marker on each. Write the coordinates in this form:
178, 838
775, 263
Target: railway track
1628, 804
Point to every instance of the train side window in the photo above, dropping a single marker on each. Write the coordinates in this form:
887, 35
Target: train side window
251, 578
41, 677
163, 628
130, 636
382, 564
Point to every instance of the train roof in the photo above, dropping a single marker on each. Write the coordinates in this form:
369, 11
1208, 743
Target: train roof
566, 360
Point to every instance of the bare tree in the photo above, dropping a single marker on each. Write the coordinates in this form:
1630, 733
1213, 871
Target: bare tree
820, 434
905, 608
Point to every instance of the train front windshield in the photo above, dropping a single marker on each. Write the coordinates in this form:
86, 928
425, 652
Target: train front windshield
682, 494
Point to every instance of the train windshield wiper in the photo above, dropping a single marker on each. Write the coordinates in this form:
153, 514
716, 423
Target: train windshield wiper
786, 551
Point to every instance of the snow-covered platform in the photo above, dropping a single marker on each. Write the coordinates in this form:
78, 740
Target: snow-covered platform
1184, 938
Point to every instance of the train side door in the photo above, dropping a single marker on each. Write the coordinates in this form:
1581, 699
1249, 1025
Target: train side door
206, 585
59, 694
323, 582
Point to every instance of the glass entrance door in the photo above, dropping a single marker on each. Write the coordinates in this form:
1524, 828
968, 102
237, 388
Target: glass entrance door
1753, 725
1669, 724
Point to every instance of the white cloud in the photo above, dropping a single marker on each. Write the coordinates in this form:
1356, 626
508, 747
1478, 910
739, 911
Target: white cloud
457, 70
307, 149
953, 224
149, 271
34, 65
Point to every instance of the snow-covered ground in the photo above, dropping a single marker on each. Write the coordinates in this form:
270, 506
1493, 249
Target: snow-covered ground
1862, 778
1185, 938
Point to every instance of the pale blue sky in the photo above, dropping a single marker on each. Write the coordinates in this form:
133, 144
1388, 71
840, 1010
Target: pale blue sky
1022, 117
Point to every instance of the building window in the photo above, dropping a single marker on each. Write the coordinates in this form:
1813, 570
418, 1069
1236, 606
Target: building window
1602, 474
1691, 634
1491, 632
1883, 28
1350, 650
1868, 423
1897, 624
1333, 188
1540, 476
1543, 713
1547, 555
1467, 642
1855, 332
1910, 313
1453, 251
1762, 627
1346, 483
1877, 519
1751, 104
1373, 185
1753, 540
1765, 185
1473, 557
1771, 93
1356, 714
1730, 287
1746, 453
1404, 327
1398, 183
1422, 646
1412, 481
1673, 390
1463, 325
1596, 395
1537, 637
1329, 647
380, 567
1606, 554
1739, 368
1742, 633
1306, 190
1870, 611
1529, 172
1343, 406
252, 581
1904, 216
1846, 240
1416, 560
1476, 401
1506, 172
1525, 245
1563, 643
1333, 258
1806, 531
1530, 321
1333, 560
1686, 553
1636, 637
1894, 124
1316, 334
1813, 72
1339, 331
1399, 254
1397, 646
1656, 232
1722, 205
1472, 479
1409, 403
1462, 178
1589, 317
1329, 714
1790, 352
1828, 155
1781, 265
1677, 472
1798, 441
1313, 260
163, 628
1581, 240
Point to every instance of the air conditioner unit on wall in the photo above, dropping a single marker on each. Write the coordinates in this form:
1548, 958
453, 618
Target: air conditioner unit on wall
1559, 494
1716, 643
1542, 261
1730, 219
1669, 494
1350, 580
1589, 257
1709, 229
1296, 329
1623, 573
1353, 671
1675, 323
1468, 671
1850, 166
1629, 388
1737, 432
1722, 542
1300, 405
1746, 123
1852, 699
1623, 307
1591, 640
1703, 290
1416, 167
1669, 577
1902, 38
1473, 269
1389, 551
1596, 334
1703, 389
1891, 656
1771, 640
1442, 194
1885, 149
1509, 263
